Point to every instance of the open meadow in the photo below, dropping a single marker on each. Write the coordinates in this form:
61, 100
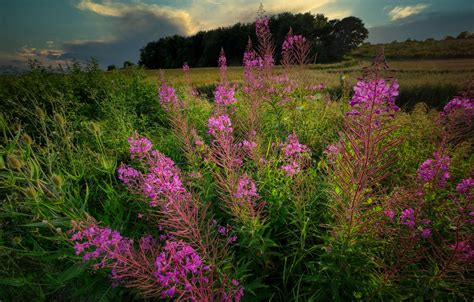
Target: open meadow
433, 82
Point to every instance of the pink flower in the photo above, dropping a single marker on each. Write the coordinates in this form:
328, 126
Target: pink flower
291, 169
407, 217
167, 96
435, 169
128, 175
246, 188
219, 125
224, 95
465, 186
293, 148
139, 145
425, 233
389, 213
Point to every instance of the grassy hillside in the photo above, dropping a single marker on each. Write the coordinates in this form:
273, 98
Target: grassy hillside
428, 49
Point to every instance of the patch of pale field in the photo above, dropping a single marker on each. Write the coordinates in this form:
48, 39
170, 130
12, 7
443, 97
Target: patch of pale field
455, 72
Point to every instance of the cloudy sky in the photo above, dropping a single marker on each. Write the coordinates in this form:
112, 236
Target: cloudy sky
113, 31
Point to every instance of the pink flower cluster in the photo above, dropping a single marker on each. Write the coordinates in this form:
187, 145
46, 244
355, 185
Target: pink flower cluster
128, 175
246, 191
378, 95
219, 126
185, 67
248, 145
251, 59
293, 153
162, 183
293, 148
435, 170
262, 27
96, 242
179, 268
224, 95
407, 217
290, 40
462, 250
246, 188
466, 104
465, 186
167, 95
222, 62
139, 146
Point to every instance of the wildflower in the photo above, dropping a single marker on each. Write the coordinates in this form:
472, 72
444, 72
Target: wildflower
219, 125
291, 169
99, 242
465, 186
139, 145
185, 67
224, 95
462, 249
248, 145
376, 94
425, 233
178, 265
435, 169
128, 175
167, 95
389, 213
221, 230
407, 217
458, 103
232, 239
293, 148
222, 62
246, 188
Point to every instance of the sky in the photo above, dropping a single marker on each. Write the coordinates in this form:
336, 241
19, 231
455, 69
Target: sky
113, 31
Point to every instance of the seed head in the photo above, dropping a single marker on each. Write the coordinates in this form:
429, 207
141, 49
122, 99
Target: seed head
30, 192
57, 180
14, 162
39, 113
26, 139
59, 119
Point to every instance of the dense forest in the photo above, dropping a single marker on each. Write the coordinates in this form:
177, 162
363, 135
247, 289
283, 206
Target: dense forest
330, 39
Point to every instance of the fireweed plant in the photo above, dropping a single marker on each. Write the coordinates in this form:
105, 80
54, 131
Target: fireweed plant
272, 190
263, 224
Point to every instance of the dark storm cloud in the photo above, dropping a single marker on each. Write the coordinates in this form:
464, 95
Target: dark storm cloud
133, 30
432, 25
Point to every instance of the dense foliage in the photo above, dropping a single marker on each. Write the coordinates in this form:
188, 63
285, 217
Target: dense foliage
272, 190
330, 39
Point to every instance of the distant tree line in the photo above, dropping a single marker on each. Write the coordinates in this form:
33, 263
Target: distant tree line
331, 40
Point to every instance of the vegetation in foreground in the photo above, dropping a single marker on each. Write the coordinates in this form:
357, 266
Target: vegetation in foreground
274, 190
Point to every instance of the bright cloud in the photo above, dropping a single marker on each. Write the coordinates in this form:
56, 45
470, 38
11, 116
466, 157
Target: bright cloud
178, 17
400, 12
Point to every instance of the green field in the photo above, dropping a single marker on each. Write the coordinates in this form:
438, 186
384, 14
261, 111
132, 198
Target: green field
429, 81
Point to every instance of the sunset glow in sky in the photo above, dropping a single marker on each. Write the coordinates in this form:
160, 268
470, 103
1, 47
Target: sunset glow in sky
113, 31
